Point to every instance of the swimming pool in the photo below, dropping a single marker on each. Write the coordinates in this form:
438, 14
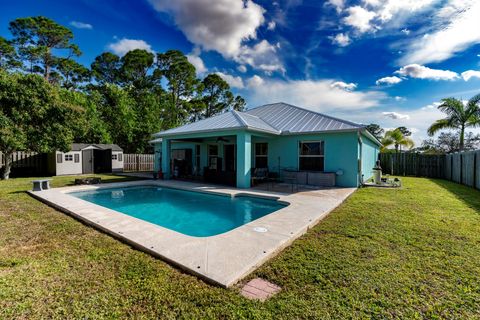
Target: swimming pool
192, 213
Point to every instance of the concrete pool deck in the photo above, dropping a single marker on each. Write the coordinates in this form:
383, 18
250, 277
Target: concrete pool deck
222, 259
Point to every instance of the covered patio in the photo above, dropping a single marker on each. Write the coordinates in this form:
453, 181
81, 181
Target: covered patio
227, 158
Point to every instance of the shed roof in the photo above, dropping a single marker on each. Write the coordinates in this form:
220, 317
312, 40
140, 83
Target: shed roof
277, 118
101, 146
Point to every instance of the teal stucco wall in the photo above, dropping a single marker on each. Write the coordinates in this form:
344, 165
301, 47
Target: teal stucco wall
342, 152
369, 156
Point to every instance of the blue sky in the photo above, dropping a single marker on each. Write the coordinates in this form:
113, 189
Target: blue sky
386, 61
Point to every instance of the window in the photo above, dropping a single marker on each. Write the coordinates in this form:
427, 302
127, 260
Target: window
114, 157
311, 156
68, 157
120, 157
212, 156
76, 158
261, 155
59, 158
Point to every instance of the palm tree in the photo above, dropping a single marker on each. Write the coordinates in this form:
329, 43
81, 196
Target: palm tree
459, 116
397, 139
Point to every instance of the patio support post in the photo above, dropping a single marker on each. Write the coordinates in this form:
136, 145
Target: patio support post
166, 146
244, 159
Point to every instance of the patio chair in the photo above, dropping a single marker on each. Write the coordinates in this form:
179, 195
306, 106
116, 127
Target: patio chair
259, 175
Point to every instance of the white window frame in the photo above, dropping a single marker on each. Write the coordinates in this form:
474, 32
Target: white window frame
310, 156
68, 157
259, 155
210, 155
114, 156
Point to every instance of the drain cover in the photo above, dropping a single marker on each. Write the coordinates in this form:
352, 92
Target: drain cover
260, 229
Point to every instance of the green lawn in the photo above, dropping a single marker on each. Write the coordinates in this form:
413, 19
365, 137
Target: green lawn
409, 253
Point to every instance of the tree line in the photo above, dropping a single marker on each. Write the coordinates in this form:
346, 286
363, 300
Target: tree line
459, 117
49, 100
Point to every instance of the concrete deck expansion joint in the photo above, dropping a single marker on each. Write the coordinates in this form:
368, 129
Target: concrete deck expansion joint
221, 259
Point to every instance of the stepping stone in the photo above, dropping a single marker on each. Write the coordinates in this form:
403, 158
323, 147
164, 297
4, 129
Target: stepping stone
259, 289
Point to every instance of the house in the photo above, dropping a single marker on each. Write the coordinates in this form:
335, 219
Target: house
85, 158
317, 148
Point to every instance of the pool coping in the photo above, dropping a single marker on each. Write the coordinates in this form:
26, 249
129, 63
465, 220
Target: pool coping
222, 259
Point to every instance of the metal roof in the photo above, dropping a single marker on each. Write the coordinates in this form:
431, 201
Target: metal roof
225, 121
292, 119
101, 146
277, 118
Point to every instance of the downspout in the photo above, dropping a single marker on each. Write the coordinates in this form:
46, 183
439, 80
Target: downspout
360, 143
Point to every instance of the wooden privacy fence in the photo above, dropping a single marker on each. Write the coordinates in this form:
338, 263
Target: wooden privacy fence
26, 163
138, 162
461, 167
413, 164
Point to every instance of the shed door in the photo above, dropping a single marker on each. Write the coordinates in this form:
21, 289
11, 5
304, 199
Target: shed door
87, 161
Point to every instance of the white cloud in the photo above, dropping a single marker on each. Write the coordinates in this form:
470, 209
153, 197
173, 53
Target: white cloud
343, 85
81, 25
434, 105
420, 119
271, 25
422, 72
220, 25
242, 68
392, 8
456, 28
398, 98
319, 95
388, 80
396, 115
224, 26
255, 81
467, 75
372, 3
359, 18
341, 39
387, 15
233, 81
337, 4
262, 56
121, 47
194, 58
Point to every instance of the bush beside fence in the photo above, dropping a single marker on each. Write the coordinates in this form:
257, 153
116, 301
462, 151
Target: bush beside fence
462, 167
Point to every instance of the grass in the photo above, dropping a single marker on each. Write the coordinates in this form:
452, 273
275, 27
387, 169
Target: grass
409, 253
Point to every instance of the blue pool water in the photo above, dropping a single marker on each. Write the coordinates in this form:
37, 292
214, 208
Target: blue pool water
191, 213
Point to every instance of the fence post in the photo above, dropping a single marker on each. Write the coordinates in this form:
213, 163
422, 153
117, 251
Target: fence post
474, 169
451, 168
461, 168
391, 164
